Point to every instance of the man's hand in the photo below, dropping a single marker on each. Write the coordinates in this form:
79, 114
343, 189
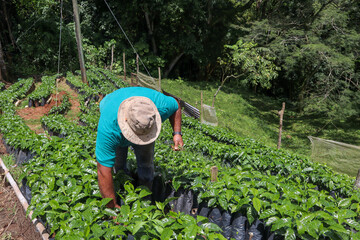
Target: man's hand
175, 121
114, 217
178, 142
106, 184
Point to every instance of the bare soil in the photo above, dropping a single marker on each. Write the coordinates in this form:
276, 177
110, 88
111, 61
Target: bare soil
13, 221
35, 113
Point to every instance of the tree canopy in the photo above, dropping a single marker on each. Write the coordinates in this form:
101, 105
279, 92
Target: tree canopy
307, 51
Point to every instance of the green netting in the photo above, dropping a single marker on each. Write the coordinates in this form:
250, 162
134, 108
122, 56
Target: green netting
342, 157
149, 82
208, 115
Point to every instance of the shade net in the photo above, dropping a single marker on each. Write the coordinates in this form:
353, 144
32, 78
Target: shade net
149, 82
342, 157
208, 115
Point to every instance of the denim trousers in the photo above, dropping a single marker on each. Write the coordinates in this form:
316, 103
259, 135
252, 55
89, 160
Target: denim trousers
145, 162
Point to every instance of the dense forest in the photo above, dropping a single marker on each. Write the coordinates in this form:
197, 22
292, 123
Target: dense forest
305, 51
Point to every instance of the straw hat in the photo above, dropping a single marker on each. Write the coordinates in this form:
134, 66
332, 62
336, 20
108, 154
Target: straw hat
139, 120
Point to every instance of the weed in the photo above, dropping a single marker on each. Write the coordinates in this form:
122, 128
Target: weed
9, 161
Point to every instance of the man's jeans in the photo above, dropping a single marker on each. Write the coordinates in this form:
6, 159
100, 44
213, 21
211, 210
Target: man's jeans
145, 162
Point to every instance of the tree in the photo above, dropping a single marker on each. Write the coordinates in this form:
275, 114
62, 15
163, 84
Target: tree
3, 69
316, 43
252, 64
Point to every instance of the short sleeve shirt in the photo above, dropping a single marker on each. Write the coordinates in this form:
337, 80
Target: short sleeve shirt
109, 136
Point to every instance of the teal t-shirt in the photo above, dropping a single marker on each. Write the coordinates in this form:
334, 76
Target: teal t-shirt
109, 135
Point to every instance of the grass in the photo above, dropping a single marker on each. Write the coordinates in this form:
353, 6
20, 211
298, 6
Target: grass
72, 113
34, 124
9, 162
256, 116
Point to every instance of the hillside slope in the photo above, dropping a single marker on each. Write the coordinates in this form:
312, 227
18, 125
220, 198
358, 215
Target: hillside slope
256, 116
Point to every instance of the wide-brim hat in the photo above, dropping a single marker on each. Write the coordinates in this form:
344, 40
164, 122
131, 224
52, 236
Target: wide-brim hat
139, 120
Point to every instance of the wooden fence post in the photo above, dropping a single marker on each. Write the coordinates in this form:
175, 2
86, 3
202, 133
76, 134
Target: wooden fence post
124, 66
281, 113
357, 181
112, 57
159, 71
214, 173
137, 63
78, 41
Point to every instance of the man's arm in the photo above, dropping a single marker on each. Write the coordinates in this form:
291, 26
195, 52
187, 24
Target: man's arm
175, 121
106, 184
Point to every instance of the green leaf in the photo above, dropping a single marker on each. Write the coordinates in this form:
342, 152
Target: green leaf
354, 224
167, 233
191, 231
176, 184
212, 202
250, 214
50, 181
76, 224
105, 201
290, 234
79, 207
160, 205
344, 203
137, 227
223, 202
125, 210
257, 204
281, 223
308, 169
78, 197
201, 219
323, 215
346, 213
54, 204
129, 187
268, 213
229, 194
301, 228
337, 227
212, 227
143, 193
312, 201
88, 215
110, 212
307, 217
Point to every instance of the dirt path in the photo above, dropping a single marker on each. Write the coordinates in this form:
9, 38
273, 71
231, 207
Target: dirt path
33, 115
13, 222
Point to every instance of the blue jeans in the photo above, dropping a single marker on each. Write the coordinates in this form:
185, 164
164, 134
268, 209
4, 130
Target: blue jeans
145, 162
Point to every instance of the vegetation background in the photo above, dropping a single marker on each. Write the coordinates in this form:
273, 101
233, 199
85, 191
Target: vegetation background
259, 52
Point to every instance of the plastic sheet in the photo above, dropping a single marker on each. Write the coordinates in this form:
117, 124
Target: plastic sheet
342, 157
158, 190
215, 216
149, 82
238, 228
204, 210
184, 202
22, 157
258, 230
130, 237
43, 101
226, 224
25, 190
208, 115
